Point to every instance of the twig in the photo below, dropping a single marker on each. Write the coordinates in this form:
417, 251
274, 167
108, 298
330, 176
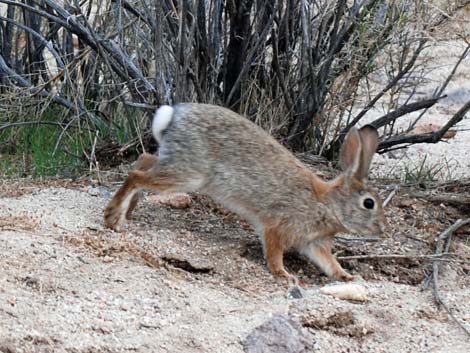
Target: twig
403, 110
21, 81
443, 242
462, 200
389, 197
38, 36
140, 105
438, 257
441, 89
433, 137
409, 66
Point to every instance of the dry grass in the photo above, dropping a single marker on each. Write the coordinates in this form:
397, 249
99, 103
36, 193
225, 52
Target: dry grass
22, 221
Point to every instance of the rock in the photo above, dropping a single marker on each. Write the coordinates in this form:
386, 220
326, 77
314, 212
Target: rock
94, 191
6, 347
347, 291
279, 335
296, 292
176, 200
98, 191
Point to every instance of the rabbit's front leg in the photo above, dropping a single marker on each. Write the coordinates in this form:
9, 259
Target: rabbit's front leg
320, 253
274, 248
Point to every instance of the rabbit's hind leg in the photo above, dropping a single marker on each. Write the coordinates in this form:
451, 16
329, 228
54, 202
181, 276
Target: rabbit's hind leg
145, 162
149, 174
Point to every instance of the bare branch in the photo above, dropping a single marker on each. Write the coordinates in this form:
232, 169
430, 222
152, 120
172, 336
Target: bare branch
433, 137
403, 110
443, 241
5, 70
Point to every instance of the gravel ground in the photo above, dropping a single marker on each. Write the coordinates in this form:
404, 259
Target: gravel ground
68, 285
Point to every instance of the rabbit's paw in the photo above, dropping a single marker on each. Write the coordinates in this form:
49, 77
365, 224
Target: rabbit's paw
284, 277
357, 278
346, 277
113, 217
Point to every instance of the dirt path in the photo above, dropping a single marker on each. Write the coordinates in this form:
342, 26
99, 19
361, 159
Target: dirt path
184, 281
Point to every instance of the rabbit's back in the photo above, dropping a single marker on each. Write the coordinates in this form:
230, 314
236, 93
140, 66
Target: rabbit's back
237, 163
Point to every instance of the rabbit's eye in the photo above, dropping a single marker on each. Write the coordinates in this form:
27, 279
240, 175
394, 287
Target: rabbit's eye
369, 203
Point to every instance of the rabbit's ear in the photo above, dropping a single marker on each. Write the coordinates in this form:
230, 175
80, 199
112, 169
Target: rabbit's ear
370, 142
350, 155
357, 151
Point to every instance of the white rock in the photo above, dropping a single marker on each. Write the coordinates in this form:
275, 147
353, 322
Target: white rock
347, 291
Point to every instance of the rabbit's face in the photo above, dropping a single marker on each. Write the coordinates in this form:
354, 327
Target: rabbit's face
359, 209
357, 206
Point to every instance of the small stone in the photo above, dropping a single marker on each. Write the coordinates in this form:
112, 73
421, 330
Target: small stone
281, 335
107, 259
296, 292
93, 191
7, 347
97, 191
348, 291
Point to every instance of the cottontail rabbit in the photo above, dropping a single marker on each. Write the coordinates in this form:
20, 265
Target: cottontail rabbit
222, 154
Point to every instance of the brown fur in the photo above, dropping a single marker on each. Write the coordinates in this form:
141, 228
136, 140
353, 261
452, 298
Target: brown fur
221, 154
275, 244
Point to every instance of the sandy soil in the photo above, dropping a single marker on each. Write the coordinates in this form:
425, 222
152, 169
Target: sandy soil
194, 280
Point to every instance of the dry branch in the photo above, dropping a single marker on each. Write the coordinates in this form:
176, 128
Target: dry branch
442, 245
458, 200
390, 196
432, 257
438, 92
433, 137
22, 82
400, 75
403, 110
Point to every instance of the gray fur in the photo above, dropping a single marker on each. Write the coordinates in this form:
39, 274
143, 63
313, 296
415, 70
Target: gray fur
243, 167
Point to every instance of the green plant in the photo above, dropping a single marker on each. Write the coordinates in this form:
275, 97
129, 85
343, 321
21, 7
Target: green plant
48, 146
423, 173
34, 152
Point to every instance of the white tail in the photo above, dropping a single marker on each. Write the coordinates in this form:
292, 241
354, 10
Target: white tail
161, 120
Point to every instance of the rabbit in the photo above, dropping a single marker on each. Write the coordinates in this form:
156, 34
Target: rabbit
213, 150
